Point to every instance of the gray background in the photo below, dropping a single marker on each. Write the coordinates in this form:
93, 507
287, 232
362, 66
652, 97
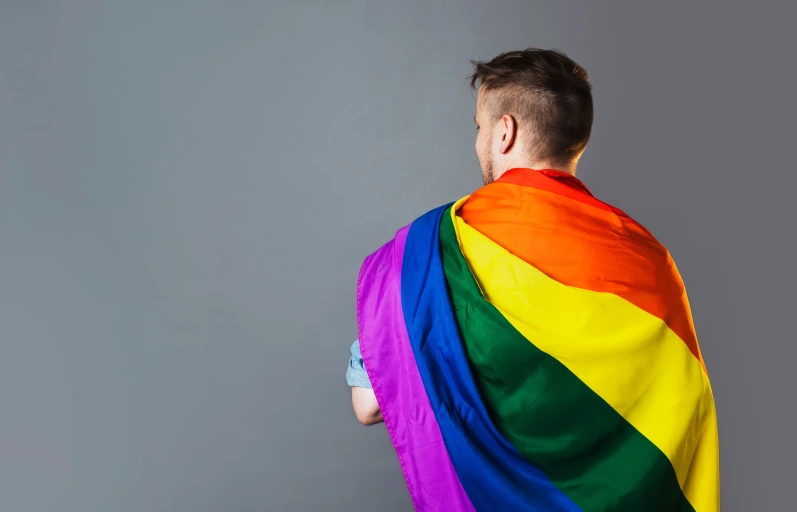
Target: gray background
187, 190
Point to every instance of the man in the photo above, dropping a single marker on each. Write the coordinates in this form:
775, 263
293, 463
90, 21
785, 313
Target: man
531, 347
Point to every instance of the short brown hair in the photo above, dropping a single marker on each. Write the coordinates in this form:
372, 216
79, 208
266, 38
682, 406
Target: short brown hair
544, 90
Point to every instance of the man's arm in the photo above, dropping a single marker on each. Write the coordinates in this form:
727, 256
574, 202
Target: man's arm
363, 399
365, 407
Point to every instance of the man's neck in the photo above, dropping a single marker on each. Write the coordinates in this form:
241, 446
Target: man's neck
537, 165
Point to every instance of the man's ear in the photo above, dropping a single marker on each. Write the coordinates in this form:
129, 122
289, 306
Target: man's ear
509, 133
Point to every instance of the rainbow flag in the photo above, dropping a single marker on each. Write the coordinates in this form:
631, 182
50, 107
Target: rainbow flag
532, 348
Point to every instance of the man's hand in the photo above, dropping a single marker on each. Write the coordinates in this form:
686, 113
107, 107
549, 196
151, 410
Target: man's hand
365, 407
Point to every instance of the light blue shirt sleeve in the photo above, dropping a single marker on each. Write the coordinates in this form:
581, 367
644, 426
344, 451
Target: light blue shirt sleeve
356, 375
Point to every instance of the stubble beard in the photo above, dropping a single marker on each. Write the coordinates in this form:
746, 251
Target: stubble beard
488, 176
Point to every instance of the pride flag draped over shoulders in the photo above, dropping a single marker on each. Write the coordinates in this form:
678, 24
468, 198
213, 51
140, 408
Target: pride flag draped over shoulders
532, 349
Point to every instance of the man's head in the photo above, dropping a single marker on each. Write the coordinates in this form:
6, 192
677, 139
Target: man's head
534, 110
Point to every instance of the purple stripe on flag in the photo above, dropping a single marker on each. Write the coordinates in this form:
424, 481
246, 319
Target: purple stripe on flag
432, 482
